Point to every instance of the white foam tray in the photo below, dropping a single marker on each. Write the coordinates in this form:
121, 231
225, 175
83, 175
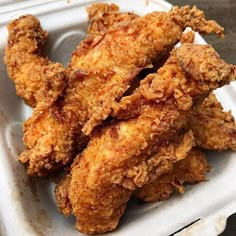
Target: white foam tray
27, 206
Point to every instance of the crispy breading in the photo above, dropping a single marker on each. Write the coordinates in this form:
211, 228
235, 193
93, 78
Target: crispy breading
129, 154
188, 37
213, 128
36, 78
46, 131
196, 61
61, 194
100, 71
97, 11
191, 170
124, 171
103, 16
195, 19
50, 143
151, 35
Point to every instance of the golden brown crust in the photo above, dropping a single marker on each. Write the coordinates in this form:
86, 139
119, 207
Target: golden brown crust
131, 153
36, 78
103, 16
105, 184
99, 75
61, 194
49, 140
151, 36
213, 128
97, 11
195, 19
108, 81
187, 37
52, 137
200, 62
191, 169
201, 65
146, 152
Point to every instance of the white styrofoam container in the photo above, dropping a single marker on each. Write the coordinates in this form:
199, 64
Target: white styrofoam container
27, 206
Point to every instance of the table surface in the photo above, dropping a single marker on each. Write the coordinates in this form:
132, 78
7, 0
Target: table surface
224, 12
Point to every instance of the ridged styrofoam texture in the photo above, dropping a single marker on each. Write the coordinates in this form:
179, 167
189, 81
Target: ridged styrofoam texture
27, 207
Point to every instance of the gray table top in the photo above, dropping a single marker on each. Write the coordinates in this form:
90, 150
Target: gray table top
224, 12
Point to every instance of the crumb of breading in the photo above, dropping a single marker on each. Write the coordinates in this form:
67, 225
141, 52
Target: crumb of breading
188, 37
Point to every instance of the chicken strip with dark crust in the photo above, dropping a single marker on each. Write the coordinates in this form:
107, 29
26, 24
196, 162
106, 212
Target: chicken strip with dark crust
34, 75
36, 78
129, 154
213, 128
97, 192
100, 71
61, 150
119, 62
191, 170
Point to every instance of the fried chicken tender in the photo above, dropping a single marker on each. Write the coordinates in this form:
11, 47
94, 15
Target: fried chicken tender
179, 148
129, 154
34, 75
125, 172
114, 180
60, 150
36, 78
213, 128
100, 71
103, 16
191, 170
116, 62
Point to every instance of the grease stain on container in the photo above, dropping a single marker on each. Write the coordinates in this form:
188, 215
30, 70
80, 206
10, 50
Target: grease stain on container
30, 183
16, 196
38, 229
13, 134
43, 218
3, 118
42, 223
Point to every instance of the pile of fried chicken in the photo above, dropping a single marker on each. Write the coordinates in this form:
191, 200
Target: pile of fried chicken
129, 115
